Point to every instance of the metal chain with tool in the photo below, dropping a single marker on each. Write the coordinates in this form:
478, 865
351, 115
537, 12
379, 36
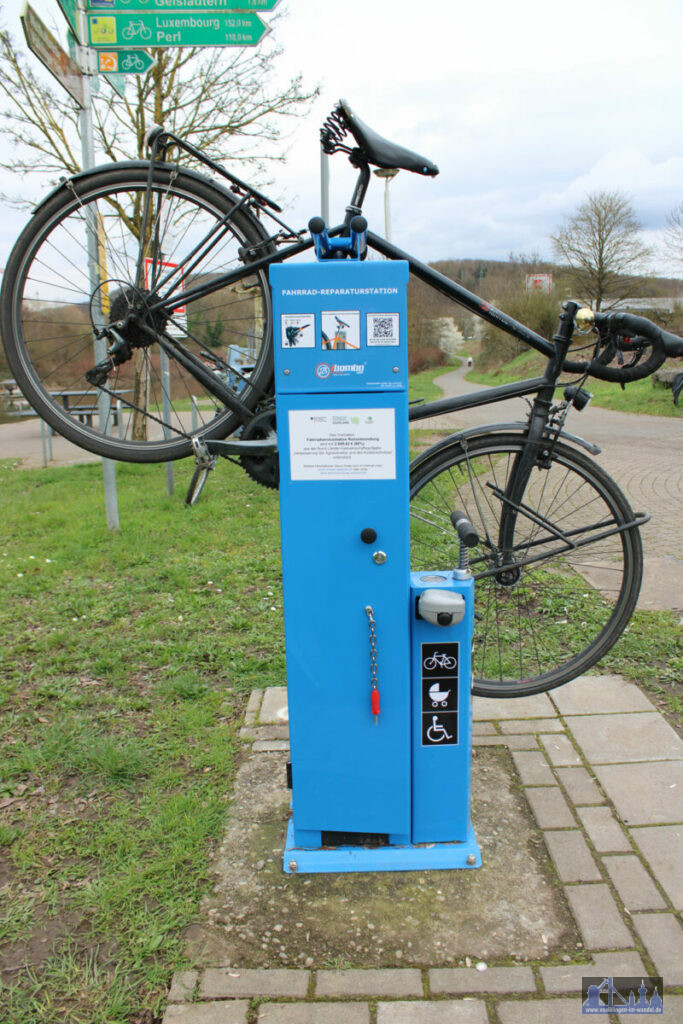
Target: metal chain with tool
374, 683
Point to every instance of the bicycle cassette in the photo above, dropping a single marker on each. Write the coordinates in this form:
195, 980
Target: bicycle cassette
264, 469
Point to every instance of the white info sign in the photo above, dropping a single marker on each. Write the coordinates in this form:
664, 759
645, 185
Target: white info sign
342, 444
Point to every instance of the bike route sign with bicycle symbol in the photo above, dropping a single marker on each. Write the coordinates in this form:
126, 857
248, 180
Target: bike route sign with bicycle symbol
134, 29
180, 5
440, 670
127, 62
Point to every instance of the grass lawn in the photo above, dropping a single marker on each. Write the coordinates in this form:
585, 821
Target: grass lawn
641, 396
127, 659
126, 662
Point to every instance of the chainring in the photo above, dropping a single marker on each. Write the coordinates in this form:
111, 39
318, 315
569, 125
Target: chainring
264, 469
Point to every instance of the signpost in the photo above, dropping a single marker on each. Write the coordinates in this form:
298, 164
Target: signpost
179, 5
69, 9
109, 38
141, 28
57, 61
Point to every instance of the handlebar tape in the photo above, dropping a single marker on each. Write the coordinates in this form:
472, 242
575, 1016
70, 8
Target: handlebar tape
673, 345
630, 326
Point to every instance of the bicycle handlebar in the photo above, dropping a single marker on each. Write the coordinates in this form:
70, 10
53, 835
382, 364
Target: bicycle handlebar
636, 329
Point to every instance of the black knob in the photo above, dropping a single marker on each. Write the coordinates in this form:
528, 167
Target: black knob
444, 618
467, 533
368, 535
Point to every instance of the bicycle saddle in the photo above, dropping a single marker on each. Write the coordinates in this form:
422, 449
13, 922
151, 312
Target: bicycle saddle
373, 148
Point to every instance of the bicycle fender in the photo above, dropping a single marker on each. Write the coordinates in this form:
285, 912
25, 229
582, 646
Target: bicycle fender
495, 428
123, 165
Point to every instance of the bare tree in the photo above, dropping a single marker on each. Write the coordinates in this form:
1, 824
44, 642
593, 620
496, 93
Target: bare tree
602, 246
230, 102
672, 242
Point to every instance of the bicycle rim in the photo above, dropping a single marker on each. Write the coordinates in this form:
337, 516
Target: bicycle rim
152, 405
544, 623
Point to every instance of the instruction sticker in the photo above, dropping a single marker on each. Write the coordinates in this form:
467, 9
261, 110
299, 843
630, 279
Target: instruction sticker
341, 330
342, 444
297, 330
440, 671
382, 329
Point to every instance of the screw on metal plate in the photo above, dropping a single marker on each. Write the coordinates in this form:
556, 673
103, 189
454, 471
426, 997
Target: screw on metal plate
293, 866
395, 369
286, 373
379, 557
471, 859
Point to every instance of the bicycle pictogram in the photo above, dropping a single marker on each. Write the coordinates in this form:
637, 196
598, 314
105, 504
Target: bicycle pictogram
137, 28
132, 62
437, 660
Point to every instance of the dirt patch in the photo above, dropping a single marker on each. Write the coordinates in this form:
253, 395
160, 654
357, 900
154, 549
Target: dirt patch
511, 909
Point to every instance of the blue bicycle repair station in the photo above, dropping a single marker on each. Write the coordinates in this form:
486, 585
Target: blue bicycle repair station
378, 658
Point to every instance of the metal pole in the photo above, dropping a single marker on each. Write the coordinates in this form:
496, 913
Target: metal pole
99, 344
388, 173
166, 413
43, 442
324, 186
387, 210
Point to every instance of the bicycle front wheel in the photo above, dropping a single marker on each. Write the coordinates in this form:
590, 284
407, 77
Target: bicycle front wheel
553, 605
81, 263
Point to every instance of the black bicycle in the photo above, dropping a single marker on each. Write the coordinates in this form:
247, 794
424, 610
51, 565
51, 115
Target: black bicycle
146, 282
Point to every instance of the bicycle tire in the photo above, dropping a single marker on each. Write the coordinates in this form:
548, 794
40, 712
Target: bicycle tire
47, 282
543, 624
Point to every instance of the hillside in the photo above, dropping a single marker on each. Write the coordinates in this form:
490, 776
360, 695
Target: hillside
502, 283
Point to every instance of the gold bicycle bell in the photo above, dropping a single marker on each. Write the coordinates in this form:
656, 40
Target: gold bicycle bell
584, 320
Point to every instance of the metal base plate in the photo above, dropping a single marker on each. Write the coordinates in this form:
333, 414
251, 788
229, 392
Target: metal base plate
424, 857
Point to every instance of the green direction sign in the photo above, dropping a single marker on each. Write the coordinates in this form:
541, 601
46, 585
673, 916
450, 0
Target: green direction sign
123, 62
68, 9
142, 28
176, 5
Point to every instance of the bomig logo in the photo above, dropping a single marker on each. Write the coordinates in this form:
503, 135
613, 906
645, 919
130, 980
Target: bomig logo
324, 370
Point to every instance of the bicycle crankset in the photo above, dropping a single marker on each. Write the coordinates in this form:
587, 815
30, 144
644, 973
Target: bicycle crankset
264, 469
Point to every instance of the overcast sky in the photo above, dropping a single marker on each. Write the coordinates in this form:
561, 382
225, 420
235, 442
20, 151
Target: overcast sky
525, 106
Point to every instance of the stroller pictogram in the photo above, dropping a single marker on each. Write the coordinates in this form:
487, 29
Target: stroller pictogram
438, 696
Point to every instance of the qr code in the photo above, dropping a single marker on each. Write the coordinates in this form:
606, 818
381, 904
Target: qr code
383, 329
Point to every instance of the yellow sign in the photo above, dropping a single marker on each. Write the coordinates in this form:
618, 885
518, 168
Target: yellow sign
103, 31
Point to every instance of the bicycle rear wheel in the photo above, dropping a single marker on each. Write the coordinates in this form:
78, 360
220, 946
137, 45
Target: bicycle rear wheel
49, 307
548, 611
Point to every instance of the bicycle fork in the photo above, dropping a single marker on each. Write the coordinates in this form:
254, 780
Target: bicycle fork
525, 461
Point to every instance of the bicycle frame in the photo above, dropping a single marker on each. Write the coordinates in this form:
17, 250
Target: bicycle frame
250, 198
542, 387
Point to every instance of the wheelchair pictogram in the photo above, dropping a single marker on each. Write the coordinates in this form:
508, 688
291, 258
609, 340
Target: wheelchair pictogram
437, 733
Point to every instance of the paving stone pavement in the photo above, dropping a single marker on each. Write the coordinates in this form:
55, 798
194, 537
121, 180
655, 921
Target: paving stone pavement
603, 774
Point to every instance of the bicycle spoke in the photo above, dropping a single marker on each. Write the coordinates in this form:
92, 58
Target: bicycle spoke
189, 223
560, 594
